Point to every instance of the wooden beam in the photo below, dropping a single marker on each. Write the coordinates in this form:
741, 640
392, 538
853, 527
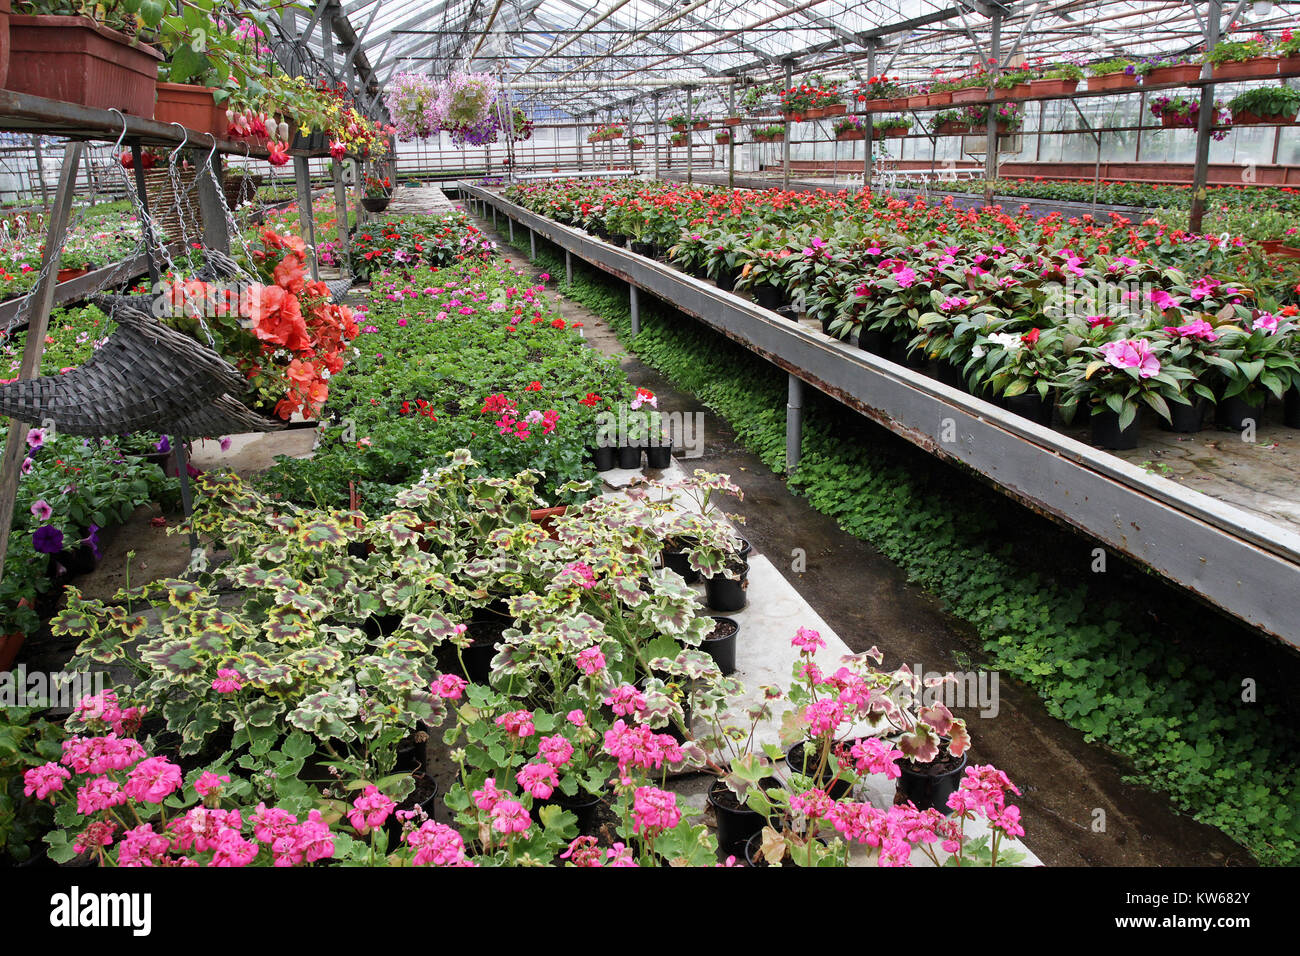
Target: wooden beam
37, 326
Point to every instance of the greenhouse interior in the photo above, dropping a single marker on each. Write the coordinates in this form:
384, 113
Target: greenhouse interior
503, 433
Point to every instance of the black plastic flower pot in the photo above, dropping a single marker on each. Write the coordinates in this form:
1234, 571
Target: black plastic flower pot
1106, 432
736, 821
1030, 405
1186, 419
1291, 409
754, 844
425, 797
876, 342
678, 561
643, 248
802, 761
769, 297
826, 324
605, 458
629, 457
726, 280
928, 786
582, 805
658, 456
1236, 411
721, 644
727, 594
911, 358
375, 203
620, 240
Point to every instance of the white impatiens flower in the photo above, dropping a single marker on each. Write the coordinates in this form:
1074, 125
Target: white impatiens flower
1007, 340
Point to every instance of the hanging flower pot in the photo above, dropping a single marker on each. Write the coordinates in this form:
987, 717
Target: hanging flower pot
815, 113
972, 94
851, 135
793, 117
700, 124
375, 203
836, 109
1052, 87
878, 105
1113, 81
1247, 118
76, 60
952, 128
733, 120
1181, 74
65, 275
1245, 69
1289, 65
938, 99
916, 102
192, 106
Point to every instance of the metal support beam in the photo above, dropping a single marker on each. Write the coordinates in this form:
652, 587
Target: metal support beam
690, 132
532, 245
152, 241
342, 212
568, 264
793, 423
634, 305
991, 131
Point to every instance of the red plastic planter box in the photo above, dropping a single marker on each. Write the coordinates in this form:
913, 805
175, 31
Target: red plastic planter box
192, 107
1113, 81
76, 60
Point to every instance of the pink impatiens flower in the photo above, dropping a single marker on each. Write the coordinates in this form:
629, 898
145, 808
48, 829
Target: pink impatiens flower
1132, 353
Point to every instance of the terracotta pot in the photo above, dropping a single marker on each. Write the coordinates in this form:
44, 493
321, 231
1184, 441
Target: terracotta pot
546, 518
916, 102
1112, 81
4, 41
66, 274
1186, 73
1278, 247
792, 117
1174, 122
1017, 92
849, 136
191, 106
10, 645
974, 94
76, 60
896, 132
1289, 65
938, 99
836, 109
814, 114
1246, 69
952, 128
878, 105
700, 125
1248, 118
732, 120
1052, 87
678, 127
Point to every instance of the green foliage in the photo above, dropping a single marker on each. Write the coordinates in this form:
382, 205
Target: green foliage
1180, 722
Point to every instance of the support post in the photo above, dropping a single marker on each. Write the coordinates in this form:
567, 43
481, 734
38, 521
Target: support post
152, 240
568, 267
654, 145
731, 140
785, 140
187, 499
342, 212
634, 303
1204, 120
690, 133
869, 125
212, 204
793, 423
991, 131
511, 221
532, 245
302, 177
38, 323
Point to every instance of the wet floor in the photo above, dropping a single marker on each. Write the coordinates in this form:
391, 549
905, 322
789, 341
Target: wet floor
1076, 807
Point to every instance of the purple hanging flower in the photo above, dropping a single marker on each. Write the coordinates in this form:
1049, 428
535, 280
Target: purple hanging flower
163, 444
35, 438
47, 539
92, 539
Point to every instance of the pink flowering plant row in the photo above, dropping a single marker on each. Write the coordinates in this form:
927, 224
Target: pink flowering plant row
1014, 303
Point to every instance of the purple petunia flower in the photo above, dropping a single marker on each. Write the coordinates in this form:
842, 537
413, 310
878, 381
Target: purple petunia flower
92, 539
163, 444
47, 539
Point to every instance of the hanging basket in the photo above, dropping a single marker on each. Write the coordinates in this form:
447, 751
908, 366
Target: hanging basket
851, 135
1246, 69
375, 203
76, 60
1247, 118
952, 128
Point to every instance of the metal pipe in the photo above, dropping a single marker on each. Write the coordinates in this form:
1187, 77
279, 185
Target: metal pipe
785, 138
634, 305
568, 262
1204, 120
793, 423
